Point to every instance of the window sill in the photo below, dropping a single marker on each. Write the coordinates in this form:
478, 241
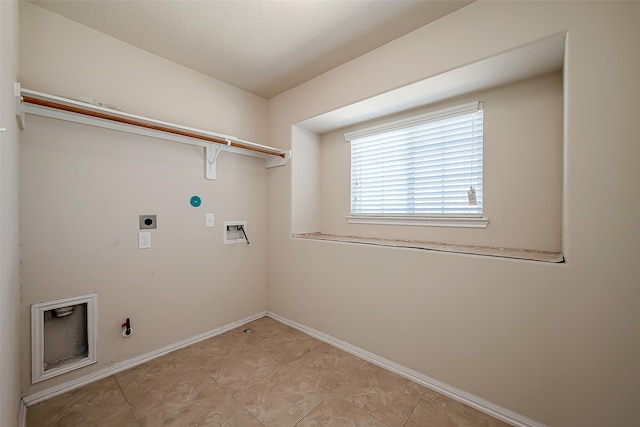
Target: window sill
464, 222
525, 254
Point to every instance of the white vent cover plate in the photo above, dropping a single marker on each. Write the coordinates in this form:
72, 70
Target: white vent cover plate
70, 340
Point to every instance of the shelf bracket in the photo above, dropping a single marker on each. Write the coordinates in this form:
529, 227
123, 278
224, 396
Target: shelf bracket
212, 151
17, 92
273, 161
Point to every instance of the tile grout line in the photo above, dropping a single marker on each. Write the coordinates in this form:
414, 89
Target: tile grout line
231, 396
362, 409
332, 392
247, 409
127, 400
412, 411
312, 409
353, 403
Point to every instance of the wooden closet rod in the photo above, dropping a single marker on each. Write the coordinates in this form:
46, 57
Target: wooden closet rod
105, 116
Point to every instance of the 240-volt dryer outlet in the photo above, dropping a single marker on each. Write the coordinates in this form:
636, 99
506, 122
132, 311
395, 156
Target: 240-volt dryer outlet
148, 222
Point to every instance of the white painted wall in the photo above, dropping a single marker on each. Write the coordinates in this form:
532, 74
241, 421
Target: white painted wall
9, 221
305, 216
557, 343
82, 189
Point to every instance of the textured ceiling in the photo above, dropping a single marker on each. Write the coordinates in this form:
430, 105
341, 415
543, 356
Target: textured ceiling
262, 46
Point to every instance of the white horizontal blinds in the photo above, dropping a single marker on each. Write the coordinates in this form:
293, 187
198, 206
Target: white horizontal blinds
426, 166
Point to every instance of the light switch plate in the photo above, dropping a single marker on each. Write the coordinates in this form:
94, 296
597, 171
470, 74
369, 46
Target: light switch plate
144, 240
209, 220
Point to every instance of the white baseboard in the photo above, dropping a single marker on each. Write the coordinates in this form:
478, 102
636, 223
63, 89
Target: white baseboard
462, 396
48, 393
22, 415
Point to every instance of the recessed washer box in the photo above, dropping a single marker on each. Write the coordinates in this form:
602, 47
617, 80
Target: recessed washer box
148, 222
232, 232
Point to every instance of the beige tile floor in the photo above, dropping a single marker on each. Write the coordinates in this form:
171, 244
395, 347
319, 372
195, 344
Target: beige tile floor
274, 376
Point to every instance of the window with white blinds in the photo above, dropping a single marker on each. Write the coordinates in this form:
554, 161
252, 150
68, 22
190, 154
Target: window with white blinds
427, 166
